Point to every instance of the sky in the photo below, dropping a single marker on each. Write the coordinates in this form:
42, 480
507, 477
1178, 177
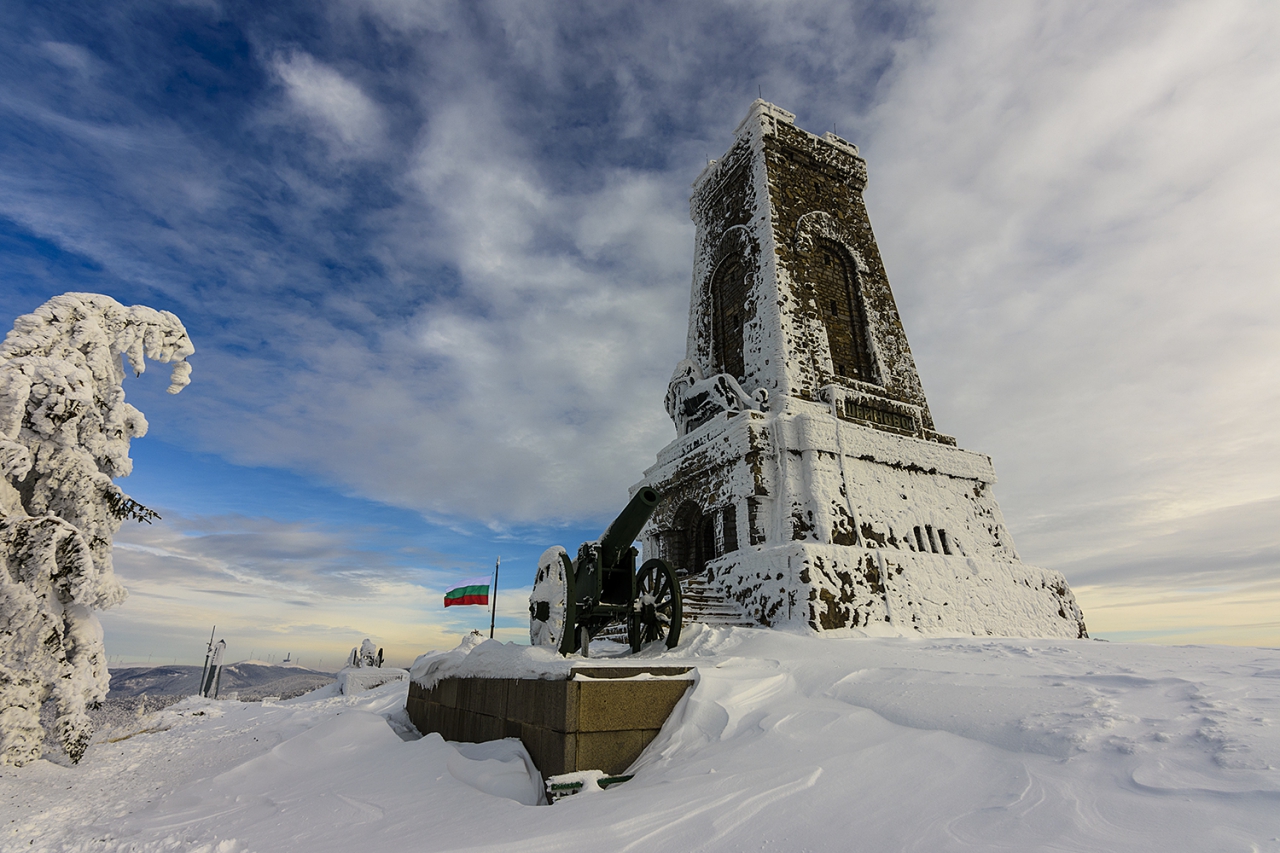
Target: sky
435, 258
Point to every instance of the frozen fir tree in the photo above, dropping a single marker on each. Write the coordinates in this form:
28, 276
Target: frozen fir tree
64, 437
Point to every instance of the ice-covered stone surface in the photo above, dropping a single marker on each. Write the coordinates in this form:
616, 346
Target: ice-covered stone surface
807, 480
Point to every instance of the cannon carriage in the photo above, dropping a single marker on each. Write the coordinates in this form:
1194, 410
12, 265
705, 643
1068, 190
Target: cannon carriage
573, 600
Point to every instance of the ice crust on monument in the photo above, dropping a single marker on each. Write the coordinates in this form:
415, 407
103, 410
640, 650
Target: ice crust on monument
838, 505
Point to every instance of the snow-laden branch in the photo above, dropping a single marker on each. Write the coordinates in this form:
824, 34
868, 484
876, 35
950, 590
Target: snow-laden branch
65, 430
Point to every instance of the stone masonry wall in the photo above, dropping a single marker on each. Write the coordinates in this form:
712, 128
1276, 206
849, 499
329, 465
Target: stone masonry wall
833, 503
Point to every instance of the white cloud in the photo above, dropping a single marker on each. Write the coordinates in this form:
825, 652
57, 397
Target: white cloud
72, 57
338, 109
279, 587
532, 392
1074, 203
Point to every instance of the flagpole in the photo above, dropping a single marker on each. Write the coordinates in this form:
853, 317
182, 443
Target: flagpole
494, 613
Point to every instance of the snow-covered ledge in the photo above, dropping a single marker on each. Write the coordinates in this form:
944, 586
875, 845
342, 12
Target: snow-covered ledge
357, 679
571, 713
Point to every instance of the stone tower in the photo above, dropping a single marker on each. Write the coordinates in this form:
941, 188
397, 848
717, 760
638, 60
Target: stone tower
807, 482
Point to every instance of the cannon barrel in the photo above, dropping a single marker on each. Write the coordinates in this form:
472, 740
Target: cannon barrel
624, 529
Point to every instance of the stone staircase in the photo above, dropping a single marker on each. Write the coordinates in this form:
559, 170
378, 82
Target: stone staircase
700, 604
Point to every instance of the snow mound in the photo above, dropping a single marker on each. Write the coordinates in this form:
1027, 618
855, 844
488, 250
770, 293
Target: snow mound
788, 741
476, 657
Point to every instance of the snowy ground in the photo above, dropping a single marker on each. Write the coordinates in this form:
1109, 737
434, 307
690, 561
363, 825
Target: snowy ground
787, 743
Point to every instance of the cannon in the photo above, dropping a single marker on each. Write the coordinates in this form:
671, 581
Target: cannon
573, 600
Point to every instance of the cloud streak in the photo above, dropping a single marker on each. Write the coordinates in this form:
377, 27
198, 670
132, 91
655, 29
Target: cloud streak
1076, 217
339, 110
274, 586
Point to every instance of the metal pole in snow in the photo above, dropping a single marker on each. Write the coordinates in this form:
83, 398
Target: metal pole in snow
208, 651
214, 678
493, 614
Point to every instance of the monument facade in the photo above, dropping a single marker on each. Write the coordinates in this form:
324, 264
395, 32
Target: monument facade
807, 482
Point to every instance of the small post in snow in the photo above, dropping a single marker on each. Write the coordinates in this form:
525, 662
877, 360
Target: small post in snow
493, 614
213, 680
207, 652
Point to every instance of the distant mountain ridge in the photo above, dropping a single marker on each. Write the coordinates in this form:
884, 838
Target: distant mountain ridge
249, 679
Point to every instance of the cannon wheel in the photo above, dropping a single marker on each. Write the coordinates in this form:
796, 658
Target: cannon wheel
548, 600
657, 610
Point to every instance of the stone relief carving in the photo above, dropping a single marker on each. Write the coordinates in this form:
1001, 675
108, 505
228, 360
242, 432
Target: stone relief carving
693, 399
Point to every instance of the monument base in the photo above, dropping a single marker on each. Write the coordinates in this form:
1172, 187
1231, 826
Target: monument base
891, 591
804, 515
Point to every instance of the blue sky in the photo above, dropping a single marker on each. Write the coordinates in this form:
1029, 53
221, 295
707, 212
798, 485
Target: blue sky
435, 259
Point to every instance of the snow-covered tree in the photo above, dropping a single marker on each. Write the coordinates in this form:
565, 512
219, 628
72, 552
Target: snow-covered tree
64, 437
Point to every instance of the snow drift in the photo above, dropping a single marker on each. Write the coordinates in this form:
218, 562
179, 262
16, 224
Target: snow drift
787, 742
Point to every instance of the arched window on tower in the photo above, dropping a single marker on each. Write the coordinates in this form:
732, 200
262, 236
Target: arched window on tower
728, 316
839, 298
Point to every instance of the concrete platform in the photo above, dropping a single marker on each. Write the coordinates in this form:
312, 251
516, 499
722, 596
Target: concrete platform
600, 718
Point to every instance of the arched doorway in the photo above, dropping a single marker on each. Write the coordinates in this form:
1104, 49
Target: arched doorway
691, 544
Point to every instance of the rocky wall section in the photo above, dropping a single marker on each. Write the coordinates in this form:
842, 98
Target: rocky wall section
847, 527
849, 485
894, 592
815, 189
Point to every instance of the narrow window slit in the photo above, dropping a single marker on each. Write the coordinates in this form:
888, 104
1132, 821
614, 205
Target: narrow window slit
730, 521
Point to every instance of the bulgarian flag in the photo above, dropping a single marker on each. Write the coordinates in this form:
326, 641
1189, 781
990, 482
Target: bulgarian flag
474, 591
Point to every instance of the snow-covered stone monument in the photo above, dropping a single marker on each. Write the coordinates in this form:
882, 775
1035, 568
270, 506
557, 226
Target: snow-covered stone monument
807, 481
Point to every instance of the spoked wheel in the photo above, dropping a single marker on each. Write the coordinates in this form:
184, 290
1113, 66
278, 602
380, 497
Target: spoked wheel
549, 600
553, 611
657, 609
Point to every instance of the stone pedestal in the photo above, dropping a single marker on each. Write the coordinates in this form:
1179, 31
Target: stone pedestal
601, 718
801, 516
